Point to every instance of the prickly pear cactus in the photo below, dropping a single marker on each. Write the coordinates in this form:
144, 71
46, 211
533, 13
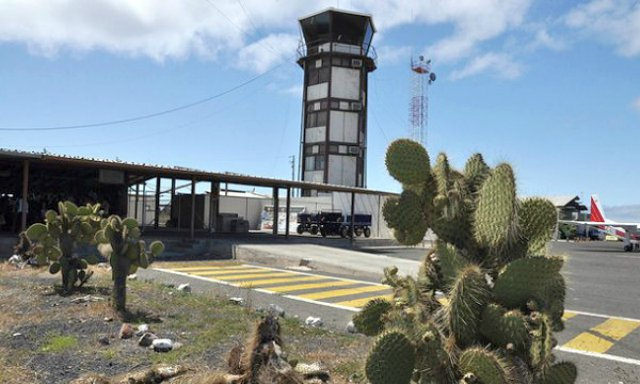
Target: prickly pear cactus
119, 241
57, 239
488, 297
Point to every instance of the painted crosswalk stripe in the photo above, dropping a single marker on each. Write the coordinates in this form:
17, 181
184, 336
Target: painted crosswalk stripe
300, 287
212, 268
589, 342
616, 329
269, 281
611, 329
568, 315
252, 275
229, 272
359, 303
343, 292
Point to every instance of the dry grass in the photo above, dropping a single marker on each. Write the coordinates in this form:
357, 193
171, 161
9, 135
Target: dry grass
208, 327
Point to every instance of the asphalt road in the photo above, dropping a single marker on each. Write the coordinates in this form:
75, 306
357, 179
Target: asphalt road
602, 335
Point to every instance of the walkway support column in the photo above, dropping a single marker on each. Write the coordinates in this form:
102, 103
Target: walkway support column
135, 210
24, 206
156, 221
353, 218
173, 200
288, 213
192, 227
214, 206
276, 208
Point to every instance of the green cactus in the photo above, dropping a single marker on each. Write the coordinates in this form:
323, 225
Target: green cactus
496, 220
538, 219
487, 282
391, 360
408, 162
502, 327
369, 321
119, 241
469, 294
57, 239
485, 365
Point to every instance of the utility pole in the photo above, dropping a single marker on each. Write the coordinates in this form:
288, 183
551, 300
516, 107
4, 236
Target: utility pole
292, 161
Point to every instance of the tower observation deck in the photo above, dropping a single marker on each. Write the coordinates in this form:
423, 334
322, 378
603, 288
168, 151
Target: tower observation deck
336, 56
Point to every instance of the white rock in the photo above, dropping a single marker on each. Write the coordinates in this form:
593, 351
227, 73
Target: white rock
162, 345
15, 260
236, 300
351, 328
276, 310
142, 329
103, 265
147, 339
313, 321
184, 287
17, 334
132, 277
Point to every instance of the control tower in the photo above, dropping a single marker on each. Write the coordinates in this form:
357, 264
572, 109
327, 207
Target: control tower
336, 56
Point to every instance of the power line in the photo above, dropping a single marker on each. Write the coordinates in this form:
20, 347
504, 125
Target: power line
147, 116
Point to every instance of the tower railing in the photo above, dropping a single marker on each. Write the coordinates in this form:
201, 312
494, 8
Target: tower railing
321, 46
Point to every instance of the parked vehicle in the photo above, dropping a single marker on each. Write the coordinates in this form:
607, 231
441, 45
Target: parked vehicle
334, 223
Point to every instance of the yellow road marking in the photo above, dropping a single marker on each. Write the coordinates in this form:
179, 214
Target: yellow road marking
263, 282
568, 315
234, 272
358, 303
344, 292
254, 275
299, 287
616, 328
212, 267
590, 343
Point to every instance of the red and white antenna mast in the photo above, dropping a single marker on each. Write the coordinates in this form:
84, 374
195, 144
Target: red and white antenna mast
422, 77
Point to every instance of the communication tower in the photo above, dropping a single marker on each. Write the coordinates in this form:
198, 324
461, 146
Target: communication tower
421, 78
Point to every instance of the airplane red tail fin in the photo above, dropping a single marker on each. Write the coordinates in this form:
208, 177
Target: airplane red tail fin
597, 213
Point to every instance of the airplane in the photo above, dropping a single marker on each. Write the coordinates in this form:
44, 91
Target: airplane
628, 232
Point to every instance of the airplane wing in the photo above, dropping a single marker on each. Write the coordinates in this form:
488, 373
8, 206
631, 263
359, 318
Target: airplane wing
627, 226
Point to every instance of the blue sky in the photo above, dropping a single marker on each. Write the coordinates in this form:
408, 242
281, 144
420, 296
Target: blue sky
551, 87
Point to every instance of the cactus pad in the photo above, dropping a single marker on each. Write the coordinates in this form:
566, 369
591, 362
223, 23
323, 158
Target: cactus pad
502, 327
538, 219
408, 162
485, 365
496, 224
391, 360
561, 373
369, 320
468, 295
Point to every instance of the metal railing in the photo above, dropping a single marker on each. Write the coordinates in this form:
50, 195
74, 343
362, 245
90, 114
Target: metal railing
320, 46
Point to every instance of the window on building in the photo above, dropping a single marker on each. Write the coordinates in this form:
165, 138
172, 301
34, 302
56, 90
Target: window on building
314, 163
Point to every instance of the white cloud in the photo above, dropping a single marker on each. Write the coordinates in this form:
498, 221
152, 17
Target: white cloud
636, 103
261, 55
543, 39
499, 64
614, 21
175, 29
389, 55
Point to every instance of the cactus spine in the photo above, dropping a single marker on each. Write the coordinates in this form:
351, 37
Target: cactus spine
57, 239
119, 241
503, 294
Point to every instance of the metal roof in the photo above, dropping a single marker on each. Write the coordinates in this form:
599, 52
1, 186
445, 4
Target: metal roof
153, 170
332, 9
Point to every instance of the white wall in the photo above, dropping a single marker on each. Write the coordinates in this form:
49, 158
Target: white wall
342, 170
316, 134
345, 83
317, 91
344, 126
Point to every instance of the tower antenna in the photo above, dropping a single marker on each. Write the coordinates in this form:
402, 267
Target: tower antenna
421, 78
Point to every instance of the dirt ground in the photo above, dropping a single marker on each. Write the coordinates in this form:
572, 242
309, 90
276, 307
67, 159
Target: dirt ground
48, 338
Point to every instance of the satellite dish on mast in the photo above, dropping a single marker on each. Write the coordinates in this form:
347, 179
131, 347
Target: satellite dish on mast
432, 77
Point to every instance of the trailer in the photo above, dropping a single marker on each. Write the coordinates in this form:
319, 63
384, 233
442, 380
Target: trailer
334, 223
307, 222
361, 226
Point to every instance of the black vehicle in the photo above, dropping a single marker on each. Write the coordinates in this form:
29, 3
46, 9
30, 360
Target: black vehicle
334, 223
307, 222
361, 226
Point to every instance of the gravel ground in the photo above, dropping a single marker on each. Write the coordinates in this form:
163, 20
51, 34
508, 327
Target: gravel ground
48, 338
